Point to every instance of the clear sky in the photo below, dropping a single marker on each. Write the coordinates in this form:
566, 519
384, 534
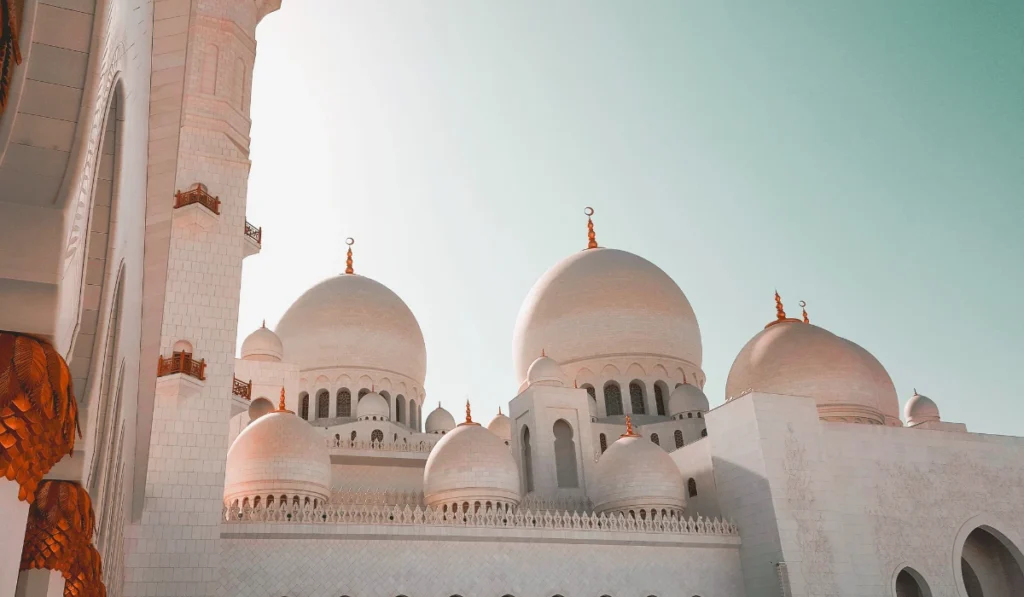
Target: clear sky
866, 157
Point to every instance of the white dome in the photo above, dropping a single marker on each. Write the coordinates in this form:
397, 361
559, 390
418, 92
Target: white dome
921, 409
470, 464
260, 407
545, 372
353, 321
800, 359
278, 454
439, 421
687, 398
605, 302
373, 405
501, 426
635, 474
262, 345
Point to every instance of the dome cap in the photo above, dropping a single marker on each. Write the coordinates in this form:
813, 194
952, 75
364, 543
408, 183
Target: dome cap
278, 454
262, 345
545, 372
470, 464
634, 474
687, 398
373, 405
439, 421
501, 426
921, 409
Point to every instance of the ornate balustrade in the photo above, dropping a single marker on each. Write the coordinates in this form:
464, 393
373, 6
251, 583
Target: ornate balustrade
520, 519
580, 504
337, 443
356, 498
241, 388
254, 233
181, 362
197, 194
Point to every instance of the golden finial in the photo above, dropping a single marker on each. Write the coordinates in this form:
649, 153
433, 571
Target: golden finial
280, 405
629, 429
684, 378
803, 305
469, 415
348, 261
499, 409
542, 353
591, 236
780, 313
264, 323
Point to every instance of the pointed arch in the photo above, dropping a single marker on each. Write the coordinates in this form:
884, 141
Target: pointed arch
612, 399
637, 397
565, 455
343, 406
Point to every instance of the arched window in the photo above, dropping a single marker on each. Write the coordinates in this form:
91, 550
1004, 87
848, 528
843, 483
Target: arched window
412, 413
323, 402
387, 398
399, 409
344, 403
527, 460
990, 564
636, 397
655, 439
700, 415
377, 436
353, 436
703, 432
362, 393
604, 443
565, 455
304, 405
612, 399
691, 487
910, 584
660, 390
679, 438
590, 391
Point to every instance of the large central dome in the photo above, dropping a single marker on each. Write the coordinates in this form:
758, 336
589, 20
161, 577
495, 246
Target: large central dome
605, 302
353, 321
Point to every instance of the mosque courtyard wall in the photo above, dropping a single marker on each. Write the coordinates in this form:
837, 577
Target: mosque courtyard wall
328, 560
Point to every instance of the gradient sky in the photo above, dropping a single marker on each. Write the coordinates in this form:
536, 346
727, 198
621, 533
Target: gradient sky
866, 157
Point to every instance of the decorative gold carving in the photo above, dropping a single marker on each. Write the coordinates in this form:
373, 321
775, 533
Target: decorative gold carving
280, 404
591, 236
469, 416
58, 537
10, 52
38, 412
780, 312
803, 305
348, 261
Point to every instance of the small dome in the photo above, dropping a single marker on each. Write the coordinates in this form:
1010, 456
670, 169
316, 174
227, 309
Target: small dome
635, 474
605, 303
260, 407
356, 322
278, 454
439, 421
800, 359
262, 345
470, 464
921, 409
373, 405
687, 398
501, 426
545, 372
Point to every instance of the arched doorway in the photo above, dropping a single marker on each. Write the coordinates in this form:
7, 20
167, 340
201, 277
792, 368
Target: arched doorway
990, 565
910, 583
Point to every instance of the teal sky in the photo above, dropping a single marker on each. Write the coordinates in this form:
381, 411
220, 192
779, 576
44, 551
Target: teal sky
866, 157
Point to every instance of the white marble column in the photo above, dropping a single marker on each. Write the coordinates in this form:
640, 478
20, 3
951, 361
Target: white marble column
14, 513
40, 583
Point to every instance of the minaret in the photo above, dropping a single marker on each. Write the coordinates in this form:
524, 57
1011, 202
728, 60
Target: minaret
198, 170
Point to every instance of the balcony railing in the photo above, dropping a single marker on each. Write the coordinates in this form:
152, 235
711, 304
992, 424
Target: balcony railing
181, 362
197, 194
254, 233
241, 388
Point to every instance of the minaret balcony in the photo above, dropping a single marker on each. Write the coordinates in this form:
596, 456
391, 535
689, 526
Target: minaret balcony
196, 208
253, 240
180, 375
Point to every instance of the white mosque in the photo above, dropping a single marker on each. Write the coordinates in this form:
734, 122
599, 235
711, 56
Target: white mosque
141, 458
